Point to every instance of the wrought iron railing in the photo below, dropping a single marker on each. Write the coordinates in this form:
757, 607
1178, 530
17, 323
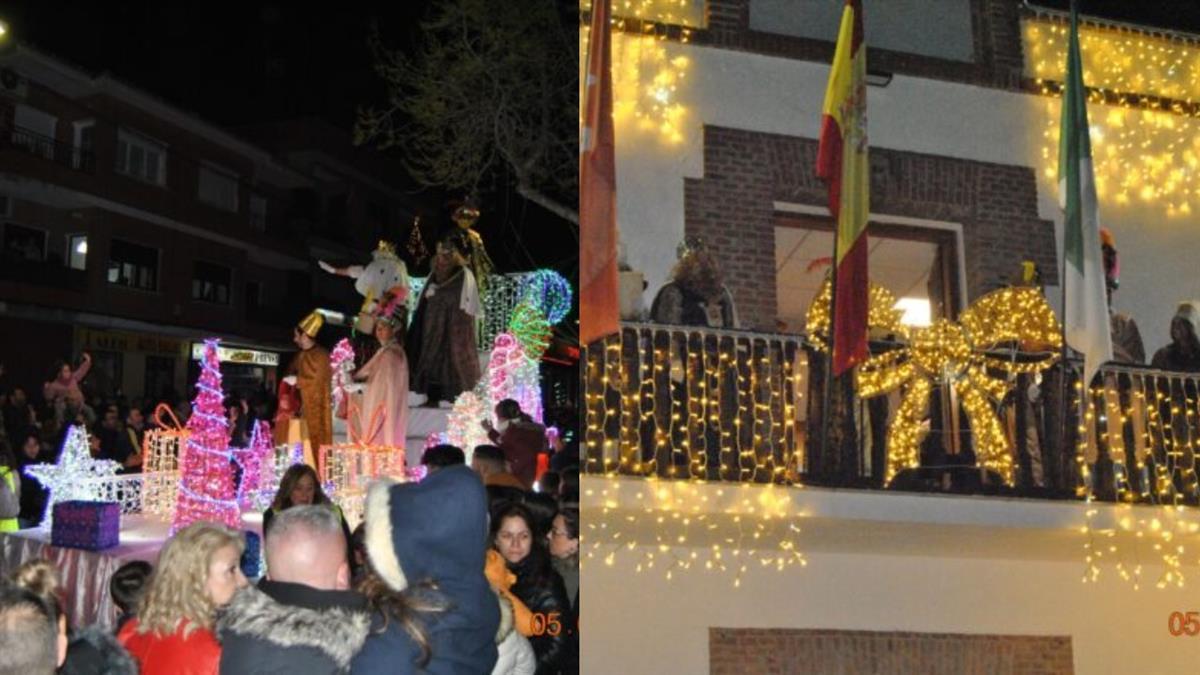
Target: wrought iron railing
682, 402
50, 148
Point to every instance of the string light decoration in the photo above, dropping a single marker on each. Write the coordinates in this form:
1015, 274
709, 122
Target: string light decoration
75, 476
548, 292
346, 468
1146, 423
463, 429
416, 244
663, 400
341, 362
255, 461
954, 354
162, 448
759, 528
646, 75
206, 490
1142, 90
531, 330
499, 299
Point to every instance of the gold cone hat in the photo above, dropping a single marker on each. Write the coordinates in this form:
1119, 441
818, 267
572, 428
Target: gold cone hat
311, 324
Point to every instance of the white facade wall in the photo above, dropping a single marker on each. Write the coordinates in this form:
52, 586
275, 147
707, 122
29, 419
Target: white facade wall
784, 96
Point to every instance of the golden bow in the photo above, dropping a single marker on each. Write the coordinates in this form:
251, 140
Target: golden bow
950, 353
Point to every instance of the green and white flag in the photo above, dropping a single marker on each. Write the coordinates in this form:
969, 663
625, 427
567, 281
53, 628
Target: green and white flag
1086, 312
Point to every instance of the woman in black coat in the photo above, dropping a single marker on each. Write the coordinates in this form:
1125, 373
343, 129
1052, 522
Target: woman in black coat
539, 587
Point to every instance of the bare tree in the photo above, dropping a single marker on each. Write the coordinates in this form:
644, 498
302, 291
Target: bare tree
489, 88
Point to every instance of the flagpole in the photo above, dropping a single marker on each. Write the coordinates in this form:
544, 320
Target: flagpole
828, 393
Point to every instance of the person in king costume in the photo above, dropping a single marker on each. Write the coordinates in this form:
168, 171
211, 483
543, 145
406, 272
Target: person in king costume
310, 375
442, 338
386, 375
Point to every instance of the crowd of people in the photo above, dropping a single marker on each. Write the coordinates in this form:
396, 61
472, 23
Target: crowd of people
470, 570
473, 569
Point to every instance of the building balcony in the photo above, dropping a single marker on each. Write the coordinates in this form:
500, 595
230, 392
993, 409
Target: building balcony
42, 273
48, 148
698, 404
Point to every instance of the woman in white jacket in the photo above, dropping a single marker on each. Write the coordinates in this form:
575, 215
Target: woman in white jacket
516, 654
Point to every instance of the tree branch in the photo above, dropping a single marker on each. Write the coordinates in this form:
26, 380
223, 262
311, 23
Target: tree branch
552, 205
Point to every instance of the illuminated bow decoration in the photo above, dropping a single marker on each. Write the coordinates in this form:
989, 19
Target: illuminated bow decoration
951, 353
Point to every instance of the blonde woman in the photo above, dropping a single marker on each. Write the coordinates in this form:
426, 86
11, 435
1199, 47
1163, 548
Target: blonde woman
197, 572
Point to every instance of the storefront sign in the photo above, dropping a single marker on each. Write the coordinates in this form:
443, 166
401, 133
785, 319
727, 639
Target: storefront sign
124, 342
237, 355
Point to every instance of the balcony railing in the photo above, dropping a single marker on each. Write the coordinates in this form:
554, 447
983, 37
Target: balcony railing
42, 273
695, 403
49, 148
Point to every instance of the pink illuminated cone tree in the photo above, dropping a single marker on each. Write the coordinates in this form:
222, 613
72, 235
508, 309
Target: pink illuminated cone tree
206, 486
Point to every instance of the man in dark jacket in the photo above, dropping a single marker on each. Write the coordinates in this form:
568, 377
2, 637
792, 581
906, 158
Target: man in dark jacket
427, 541
302, 618
520, 437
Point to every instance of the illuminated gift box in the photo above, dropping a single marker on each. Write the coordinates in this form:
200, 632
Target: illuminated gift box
347, 468
162, 452
88, 525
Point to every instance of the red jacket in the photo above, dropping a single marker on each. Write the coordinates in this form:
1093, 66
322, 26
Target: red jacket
521, 443
197, 654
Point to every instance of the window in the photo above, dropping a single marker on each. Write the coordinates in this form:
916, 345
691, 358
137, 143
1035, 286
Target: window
141, 158
258, 212
218, 187
82, 157
210, 283
133, 265
77, 248
253, 296
24, 243
34, 130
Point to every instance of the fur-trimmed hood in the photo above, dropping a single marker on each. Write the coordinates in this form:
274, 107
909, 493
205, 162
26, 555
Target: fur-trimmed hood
506, 618
337, 631
93, 650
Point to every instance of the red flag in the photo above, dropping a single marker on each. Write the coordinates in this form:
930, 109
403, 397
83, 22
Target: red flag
598, 302
842, 160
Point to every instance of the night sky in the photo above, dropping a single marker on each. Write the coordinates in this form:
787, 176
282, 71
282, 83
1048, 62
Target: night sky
236, 63
1178, 15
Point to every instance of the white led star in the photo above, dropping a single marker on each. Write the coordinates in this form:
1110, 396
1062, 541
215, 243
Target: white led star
75, 476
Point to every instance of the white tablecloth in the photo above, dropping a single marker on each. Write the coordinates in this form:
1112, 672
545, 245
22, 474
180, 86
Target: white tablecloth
85, 574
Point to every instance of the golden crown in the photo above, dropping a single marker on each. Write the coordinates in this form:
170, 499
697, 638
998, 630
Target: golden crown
311, 324
386, 248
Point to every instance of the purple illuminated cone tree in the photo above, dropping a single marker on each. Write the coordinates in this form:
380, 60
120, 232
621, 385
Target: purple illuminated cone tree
206, 490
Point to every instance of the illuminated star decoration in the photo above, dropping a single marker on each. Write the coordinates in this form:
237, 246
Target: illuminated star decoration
75, 476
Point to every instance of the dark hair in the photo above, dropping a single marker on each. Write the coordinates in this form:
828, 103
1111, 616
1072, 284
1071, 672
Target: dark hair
58, 366
128, 584
569, 489
489, 453
404, 607
549, 482
443, 455
29, 640
570, 516
283, 498
8, 458
508, 409
458, 240
535, 569
543, 508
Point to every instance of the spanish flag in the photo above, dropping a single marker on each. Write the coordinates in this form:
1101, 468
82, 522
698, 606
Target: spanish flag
598, 304
842, 161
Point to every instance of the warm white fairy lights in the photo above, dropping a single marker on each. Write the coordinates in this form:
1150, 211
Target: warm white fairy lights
648, 68
1142, 108
672, 527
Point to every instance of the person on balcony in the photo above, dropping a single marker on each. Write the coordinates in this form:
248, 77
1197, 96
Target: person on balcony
1126, 338
1183, 354
696, 294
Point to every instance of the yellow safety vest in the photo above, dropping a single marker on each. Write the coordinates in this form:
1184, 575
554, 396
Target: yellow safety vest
10, 478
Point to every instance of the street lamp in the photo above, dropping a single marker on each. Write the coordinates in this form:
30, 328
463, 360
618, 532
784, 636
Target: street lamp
3, 29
